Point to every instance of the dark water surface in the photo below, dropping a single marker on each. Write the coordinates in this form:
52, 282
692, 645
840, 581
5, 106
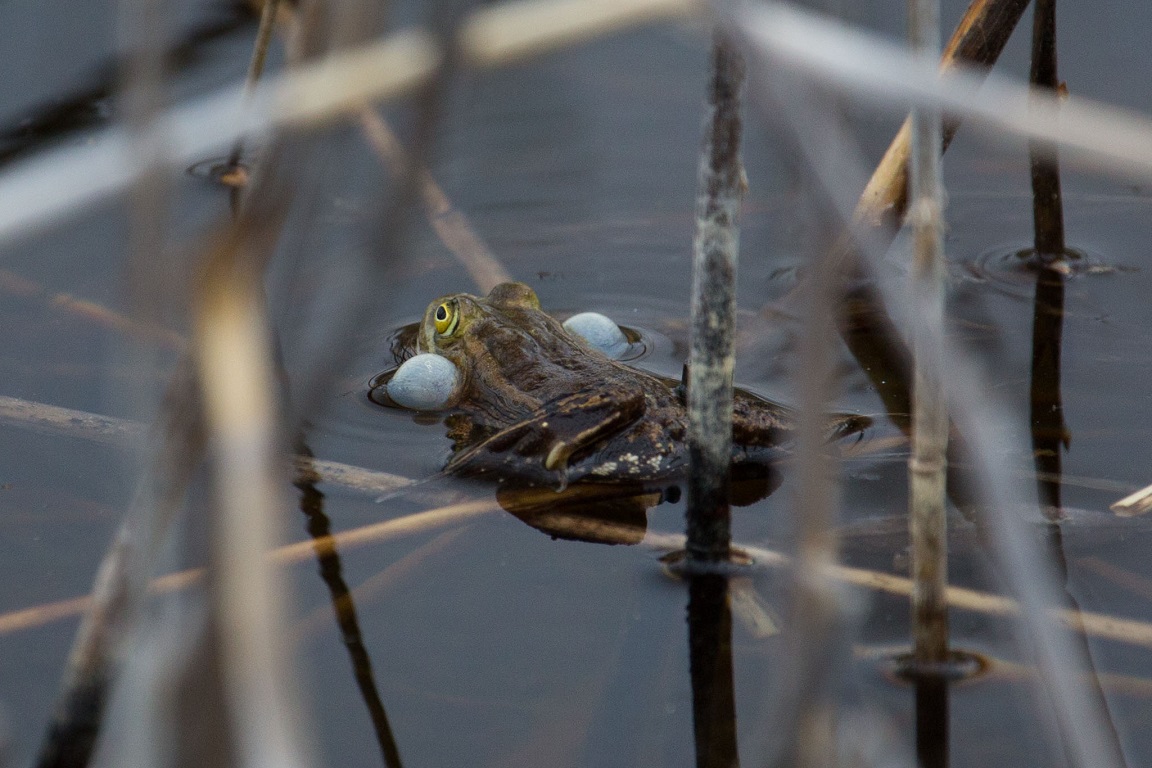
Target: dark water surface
496, 644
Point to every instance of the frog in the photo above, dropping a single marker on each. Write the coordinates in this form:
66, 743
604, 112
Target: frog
539, 406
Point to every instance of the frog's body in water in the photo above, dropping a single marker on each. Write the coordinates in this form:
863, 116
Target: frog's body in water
538, 404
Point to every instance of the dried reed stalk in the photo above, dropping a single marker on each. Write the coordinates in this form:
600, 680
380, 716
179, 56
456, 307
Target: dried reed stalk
67, 422
786, 36
337, 86
926, 464
510, 31
344, 608
720, 189
1137, 503
89, 311
1098, 625
816, 615
268, 13
99, 648
451, 226
978, 39
232, 350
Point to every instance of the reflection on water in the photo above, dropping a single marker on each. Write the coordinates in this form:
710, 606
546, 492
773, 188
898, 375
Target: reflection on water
617, 513
1015, 270
600, 514
1050, 435
344, 608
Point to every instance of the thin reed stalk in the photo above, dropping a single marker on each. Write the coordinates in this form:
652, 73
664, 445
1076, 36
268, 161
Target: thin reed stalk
1050, 433
410, 525
817, 615
1082, 726
232, 349
1049, 259
1132, 632
977, 41
1137, 503
712, 360
255, 70
100, 646
451, 226
720, 189
927, 462
1104, 137
68, 422
1047, 211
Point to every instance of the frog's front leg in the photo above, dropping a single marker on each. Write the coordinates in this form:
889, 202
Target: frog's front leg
539, 448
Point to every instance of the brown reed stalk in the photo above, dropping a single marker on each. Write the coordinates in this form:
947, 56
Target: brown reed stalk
926, 464
927, 473
1047, 210
233, 354
255, 69
1083, 726
1103, 626
816, 615
978, 40
100, 646
450, 225
1050, 433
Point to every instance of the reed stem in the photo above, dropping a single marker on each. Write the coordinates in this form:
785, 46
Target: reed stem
927, 464
1047, 211
817, 615
255, 69
720, 190
1050, 434
232, 350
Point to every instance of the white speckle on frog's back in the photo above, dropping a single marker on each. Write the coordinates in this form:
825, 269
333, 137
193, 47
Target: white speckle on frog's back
631, 461
607, 469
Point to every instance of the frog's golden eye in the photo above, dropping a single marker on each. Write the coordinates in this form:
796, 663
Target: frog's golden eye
446, 317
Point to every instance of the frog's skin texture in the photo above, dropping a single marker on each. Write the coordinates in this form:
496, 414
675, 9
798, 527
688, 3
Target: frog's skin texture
538, 405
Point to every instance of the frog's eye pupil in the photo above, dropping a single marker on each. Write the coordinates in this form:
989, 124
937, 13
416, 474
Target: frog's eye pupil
445, 318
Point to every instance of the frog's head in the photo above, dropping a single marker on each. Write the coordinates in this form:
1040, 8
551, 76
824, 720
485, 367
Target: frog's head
450, 321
